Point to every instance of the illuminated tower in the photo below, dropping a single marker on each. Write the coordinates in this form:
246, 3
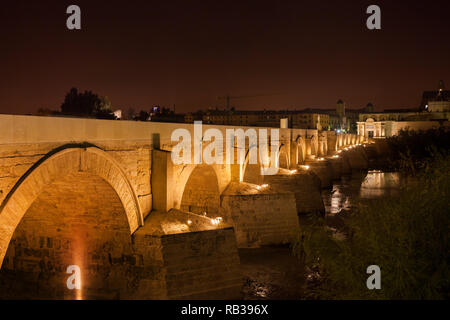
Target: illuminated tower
340, 108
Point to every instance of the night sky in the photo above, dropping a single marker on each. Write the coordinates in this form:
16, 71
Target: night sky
298, 53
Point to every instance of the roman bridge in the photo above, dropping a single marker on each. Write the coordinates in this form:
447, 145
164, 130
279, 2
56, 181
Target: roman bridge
105, 196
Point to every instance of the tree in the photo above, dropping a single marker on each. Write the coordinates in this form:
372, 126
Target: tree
46, 112
104, 109
143, 116
131, 113
86, 104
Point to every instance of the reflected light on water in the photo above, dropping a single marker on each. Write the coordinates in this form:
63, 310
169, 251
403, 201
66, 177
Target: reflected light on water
374, 184
378, 183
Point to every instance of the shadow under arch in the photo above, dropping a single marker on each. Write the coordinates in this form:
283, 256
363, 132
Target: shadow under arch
60, 162
300, 150
201, 192
283, 158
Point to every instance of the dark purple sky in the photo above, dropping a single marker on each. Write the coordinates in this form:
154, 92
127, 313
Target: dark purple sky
142, 53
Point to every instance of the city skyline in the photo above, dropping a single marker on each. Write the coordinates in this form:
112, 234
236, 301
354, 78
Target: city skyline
293, 56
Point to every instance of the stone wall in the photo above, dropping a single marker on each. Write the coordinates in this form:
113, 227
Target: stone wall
259, 217
306, 187
200, 259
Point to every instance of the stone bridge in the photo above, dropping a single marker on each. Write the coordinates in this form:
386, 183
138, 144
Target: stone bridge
106, 196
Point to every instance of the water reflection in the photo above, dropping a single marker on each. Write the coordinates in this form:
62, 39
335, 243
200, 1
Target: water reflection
370, 185
378, 184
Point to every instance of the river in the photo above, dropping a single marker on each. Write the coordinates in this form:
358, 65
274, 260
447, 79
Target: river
274, 273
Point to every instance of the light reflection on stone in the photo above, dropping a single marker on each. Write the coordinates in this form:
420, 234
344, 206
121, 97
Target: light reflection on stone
378, 184
374, 184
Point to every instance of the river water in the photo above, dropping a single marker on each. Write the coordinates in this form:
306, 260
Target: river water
274, 273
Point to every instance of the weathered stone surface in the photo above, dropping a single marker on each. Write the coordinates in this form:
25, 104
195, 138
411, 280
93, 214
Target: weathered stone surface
304, 184
356, 158
323, 170
260, 216
69, 225
200, 258
161, 256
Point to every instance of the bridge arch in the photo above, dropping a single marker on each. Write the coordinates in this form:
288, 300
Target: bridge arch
250, 172
300, 150
65, 161
283, 157
201, 192
210, 179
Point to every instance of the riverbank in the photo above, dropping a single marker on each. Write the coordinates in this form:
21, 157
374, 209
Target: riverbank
405, 233
274, 272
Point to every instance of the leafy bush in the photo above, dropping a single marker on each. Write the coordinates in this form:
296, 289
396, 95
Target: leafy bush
410, 150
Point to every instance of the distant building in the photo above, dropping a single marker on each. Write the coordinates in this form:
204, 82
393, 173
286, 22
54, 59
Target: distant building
342, 118
435, 113
438, 95
162, 114
300, 119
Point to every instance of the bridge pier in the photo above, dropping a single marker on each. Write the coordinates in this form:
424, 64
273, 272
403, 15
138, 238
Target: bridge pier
322, 168
304, 184
191, 258
259, 214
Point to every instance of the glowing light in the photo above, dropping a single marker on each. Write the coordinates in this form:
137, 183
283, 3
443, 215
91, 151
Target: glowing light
292, 171
320, 159
335, 156
306, 167
189, 222
263, 186
216, 221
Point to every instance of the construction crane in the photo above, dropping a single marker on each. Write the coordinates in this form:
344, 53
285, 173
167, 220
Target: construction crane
228, 98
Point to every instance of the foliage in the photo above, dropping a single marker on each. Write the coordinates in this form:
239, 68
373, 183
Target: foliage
407, 238
86, 104
412, 149
142, 116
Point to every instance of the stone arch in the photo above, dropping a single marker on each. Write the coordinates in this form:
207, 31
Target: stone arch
201, 192
180, 175
283, 158
322, 148
69, 224
63, 161
300, 150
250, 171
314, 145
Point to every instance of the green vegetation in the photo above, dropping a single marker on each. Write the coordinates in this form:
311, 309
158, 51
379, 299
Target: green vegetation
406, 236
412, 150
